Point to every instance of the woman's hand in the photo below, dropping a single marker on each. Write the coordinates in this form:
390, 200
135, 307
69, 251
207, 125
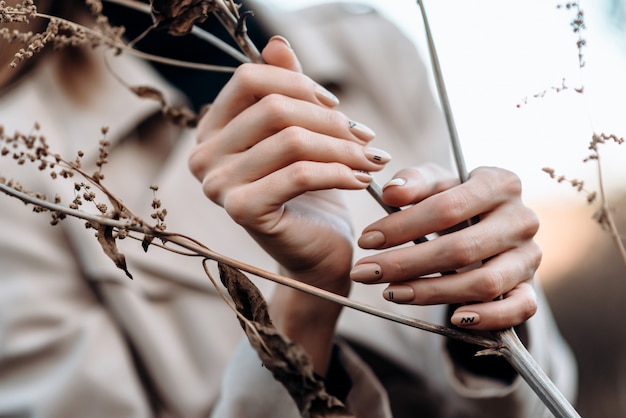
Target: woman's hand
273, 152
503, 239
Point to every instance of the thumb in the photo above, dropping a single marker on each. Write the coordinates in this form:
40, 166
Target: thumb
278, 52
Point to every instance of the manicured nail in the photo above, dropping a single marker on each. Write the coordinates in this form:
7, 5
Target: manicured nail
401, 293
371, 240
465, 319
325, 96
377, 155
282, 39
395, 182
368, 272
361, 131
363, 176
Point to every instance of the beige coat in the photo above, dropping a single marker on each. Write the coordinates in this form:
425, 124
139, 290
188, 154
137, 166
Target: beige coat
78, 339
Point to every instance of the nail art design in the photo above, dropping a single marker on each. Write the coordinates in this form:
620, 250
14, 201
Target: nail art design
361, 131
399, 294
465, 319
377, 155
368, 272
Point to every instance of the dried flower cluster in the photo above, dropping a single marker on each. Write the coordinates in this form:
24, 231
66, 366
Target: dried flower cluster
60, 32
578, 25
32, 148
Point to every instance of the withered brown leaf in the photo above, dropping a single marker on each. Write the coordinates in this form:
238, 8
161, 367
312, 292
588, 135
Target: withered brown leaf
179, 16
287, 361
179, 115
107, 241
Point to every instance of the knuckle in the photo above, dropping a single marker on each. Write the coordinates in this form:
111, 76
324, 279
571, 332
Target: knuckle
293, 141
451, 208
535, 256
238, 208
246, 74
277, 109
491, 285
301, 174
429, 294
197, 164
505, 182
529, 306
462, 252
529, 223
212, 186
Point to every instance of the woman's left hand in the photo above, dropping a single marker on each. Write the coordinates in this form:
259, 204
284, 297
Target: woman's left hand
495, 257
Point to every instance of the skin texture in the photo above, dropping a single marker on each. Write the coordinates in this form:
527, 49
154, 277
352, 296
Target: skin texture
273, 138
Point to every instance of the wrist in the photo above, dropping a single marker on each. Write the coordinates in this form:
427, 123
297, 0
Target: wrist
307, 320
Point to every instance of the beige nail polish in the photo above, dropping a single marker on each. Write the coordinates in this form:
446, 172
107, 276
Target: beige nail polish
282, 39
398, 181
465, 319
401, 293
363, 176
377, 155
361, 131
372, 239
325, 96
368, 272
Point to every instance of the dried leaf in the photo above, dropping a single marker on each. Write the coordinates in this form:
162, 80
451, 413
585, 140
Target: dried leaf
179, 115
147, 240
147, 92
179, 16
107, 241
287, 361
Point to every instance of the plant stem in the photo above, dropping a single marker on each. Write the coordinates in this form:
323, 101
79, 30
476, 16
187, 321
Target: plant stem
196, 31
199, 249
516, 354
511, 347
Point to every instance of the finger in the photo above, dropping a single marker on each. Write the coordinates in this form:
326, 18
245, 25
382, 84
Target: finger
412, 185
275, 112
271, 192
251, 82
486, 189
516, 307
494, 235
278, 52
287, 147
494, 278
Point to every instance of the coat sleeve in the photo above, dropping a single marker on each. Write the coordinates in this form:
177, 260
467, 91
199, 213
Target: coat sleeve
250, 391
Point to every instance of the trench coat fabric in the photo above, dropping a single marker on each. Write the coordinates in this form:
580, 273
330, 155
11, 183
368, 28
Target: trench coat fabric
79, 339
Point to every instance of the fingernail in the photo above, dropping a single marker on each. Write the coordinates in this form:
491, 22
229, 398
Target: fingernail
372, 239
368, 272
363, 176
282, 39
377, 155
401, 293
325, 96
361, 131
395, 182
465, 319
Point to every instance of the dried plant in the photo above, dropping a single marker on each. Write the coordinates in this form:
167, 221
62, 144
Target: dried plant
114, 221
604, 212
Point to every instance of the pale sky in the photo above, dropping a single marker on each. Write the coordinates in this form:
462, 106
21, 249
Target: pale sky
494, 53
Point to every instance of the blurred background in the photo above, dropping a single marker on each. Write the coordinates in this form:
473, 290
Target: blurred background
496, 57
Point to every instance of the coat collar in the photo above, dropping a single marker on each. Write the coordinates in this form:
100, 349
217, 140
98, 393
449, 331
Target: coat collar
71, 124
